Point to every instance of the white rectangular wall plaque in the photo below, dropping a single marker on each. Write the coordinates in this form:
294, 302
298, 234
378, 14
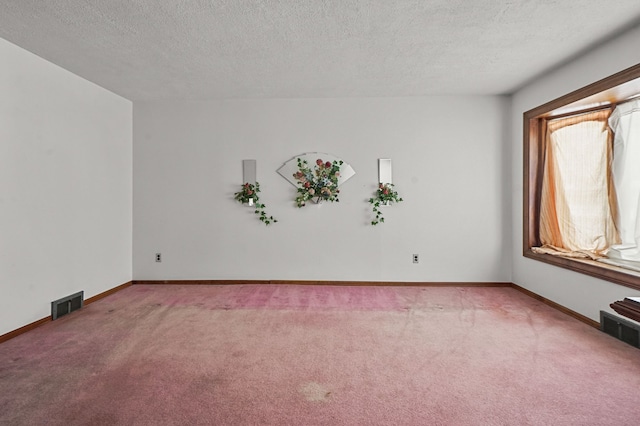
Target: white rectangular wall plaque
384, 170
249, 171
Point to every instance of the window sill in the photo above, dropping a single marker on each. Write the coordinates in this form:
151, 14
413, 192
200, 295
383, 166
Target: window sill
601, 270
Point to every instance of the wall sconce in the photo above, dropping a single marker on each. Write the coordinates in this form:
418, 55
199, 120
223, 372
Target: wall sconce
384, 170
249, 174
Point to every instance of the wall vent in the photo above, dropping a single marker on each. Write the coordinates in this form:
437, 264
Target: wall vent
67, 305
627, 331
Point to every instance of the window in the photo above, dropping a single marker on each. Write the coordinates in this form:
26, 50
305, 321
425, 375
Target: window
598, 98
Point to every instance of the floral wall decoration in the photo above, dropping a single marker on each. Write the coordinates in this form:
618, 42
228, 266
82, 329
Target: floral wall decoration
316, 176
385, 195
248, 194
317, 184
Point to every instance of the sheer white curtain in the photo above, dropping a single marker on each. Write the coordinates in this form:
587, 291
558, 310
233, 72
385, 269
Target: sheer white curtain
625, 122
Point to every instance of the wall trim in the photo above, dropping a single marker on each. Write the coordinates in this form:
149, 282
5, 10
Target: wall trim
11, 334
107, 293
330, 283
557, 306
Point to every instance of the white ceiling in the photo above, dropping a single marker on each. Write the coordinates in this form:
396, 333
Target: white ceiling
207, 49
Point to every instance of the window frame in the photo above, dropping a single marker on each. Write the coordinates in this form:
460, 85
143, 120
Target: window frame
605, 93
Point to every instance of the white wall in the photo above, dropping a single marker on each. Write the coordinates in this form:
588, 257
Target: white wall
449, 163
578, 292
65, 187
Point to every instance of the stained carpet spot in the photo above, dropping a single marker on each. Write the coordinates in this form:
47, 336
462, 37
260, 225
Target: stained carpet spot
315, 392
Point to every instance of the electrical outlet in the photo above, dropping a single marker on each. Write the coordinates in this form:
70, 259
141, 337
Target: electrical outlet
415, 258
158, 257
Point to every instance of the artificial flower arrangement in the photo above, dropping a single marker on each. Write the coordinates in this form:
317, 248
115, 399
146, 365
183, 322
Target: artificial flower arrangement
317, 184
385, 195
249, 195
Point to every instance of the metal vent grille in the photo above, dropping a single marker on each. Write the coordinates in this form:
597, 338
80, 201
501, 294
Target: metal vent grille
619, 328
67, 305
629, 335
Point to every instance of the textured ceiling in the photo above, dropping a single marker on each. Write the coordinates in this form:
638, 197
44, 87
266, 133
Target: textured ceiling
205, 49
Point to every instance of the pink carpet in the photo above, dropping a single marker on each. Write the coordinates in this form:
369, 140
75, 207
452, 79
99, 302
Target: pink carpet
316, 355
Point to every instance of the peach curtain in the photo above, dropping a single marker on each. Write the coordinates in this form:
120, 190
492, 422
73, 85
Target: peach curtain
577, 206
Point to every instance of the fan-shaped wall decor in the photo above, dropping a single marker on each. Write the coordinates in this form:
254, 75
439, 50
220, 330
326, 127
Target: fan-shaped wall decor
288, 169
